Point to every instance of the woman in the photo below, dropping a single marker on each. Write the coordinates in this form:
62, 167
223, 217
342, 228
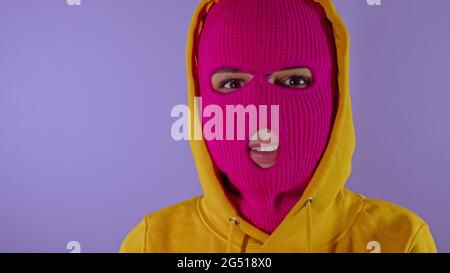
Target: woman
286, 194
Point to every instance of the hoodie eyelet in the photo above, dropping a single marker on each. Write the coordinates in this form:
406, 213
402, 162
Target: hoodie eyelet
234, 220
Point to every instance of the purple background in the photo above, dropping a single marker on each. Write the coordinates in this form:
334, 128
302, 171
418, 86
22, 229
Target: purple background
85, 99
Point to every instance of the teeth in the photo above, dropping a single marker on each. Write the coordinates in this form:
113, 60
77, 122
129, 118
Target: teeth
269, 148
264, 141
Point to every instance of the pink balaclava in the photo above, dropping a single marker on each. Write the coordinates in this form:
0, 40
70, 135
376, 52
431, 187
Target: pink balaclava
260, 37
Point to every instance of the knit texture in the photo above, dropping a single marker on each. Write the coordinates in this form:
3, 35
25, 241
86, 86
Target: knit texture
261, 37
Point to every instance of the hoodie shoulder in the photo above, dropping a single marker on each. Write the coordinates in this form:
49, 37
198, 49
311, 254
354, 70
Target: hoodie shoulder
135, 241
388, 209
161, 226
399, 228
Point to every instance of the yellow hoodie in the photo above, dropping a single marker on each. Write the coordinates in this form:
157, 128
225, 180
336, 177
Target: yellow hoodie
327, 218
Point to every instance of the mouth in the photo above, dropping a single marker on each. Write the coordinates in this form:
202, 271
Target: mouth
264, 148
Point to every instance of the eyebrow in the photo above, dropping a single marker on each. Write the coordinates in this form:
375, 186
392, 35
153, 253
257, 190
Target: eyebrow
228, 70
235, 70
294, 67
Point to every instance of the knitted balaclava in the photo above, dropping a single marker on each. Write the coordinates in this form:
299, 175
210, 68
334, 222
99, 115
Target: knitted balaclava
261, 37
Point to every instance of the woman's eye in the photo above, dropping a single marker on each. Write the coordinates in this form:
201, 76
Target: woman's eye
231, 84
295, 82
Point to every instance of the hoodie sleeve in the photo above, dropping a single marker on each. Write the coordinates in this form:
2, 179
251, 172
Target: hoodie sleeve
135, 242
423, 241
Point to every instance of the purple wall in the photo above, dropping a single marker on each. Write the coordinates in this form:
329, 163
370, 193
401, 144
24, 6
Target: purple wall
85, 99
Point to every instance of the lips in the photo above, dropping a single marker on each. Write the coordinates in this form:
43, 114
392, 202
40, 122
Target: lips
264, 148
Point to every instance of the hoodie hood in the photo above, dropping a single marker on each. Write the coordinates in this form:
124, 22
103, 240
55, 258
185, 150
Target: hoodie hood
323, 202
327, 218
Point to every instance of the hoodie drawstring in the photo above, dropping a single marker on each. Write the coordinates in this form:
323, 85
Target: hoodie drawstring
234, 223
309, 224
